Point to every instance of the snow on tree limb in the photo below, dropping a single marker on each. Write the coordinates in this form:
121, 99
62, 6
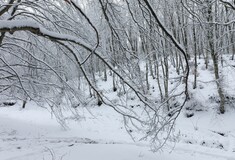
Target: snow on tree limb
33, 27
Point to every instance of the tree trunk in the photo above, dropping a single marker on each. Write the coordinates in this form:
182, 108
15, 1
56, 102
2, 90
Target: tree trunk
214, 55
24, 104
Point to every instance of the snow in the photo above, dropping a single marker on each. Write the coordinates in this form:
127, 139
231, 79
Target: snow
17, 23
34, 134
36, 28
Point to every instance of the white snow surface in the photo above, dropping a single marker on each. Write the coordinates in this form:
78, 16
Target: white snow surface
32, 134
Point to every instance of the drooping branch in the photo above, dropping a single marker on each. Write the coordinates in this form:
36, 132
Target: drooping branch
35, 28
228, 4
6, 7
175, 42
92, 25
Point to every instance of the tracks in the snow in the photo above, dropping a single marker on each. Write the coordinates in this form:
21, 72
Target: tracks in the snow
31, 146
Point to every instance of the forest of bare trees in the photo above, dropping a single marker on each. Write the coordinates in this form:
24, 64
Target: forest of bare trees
55, 52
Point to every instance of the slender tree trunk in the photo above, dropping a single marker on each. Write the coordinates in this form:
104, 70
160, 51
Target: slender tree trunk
215, 57
24, 103
195, 56
158, 79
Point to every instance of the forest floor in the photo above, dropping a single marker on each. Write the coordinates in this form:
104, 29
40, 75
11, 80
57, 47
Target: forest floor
34, 134
31, 134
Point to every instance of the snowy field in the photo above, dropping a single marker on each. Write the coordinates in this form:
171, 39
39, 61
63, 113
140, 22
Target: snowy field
34, 134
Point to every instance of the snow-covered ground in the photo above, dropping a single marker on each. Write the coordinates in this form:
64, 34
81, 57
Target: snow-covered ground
34, 134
